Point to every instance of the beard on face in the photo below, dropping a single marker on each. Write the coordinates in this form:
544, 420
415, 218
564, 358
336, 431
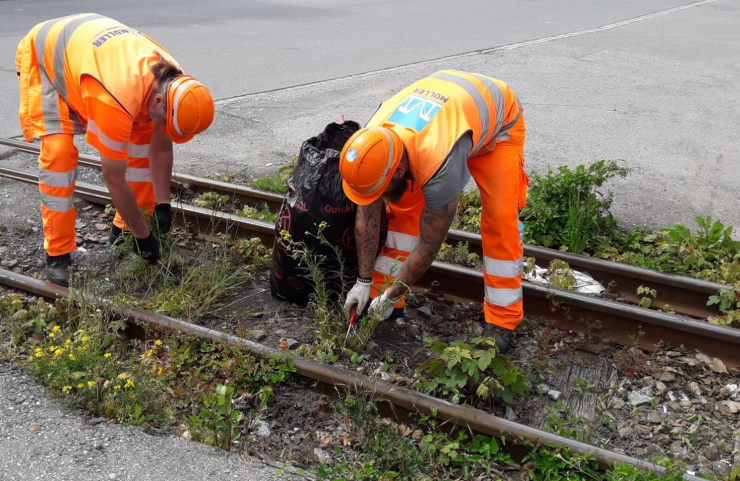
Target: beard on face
395, 194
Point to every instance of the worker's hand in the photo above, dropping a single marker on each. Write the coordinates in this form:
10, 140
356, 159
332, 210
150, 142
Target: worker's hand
148, 248
164, 217
383, 305
358, 295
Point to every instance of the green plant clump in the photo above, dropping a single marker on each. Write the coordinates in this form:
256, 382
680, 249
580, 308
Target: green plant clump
279, 182
471, 370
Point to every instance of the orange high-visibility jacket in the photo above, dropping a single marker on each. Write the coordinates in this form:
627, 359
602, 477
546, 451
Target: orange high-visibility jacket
89, 68
432, 114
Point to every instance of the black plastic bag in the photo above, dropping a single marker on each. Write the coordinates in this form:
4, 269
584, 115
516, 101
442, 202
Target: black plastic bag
315, 195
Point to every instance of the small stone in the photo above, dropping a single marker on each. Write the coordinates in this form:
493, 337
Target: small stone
79, 225
292, 344
3, 249
637, 399
660, 388
685, 404
476, 330
695, 389
322, 456
263, 430
543, 388
554, 395
258, 335
13, 263
92, 238
112, 476
424, 311
647, 390
413, 330
281, 332
721, 469
400, 323
655, 418
510, 414
101, 227
655, 451
645, 430
35, 429
711, 452
373, 349
647, 381
436, 320
625, 432
95, 421
186, 436
667, 377
618, 404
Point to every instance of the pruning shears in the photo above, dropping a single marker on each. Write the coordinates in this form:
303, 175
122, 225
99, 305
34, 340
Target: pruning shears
352, 323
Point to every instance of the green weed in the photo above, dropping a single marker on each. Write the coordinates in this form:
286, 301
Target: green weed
211, 200
474, 370
252, 213
279, 182
23, 229
460, 254
219, 423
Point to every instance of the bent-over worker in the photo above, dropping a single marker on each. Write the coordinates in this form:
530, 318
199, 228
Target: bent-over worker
417, 153
89, 74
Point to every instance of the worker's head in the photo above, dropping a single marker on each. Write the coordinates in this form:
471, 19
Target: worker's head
371, 165
180, 102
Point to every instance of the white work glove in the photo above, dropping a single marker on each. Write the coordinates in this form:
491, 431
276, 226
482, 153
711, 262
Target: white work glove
359, 295
383, 305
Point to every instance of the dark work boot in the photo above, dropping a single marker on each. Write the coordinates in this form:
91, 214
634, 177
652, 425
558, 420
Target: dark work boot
114, 238
503, 337
57, 269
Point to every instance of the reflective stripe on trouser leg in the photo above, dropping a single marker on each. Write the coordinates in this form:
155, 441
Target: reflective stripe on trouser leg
57, 176
403, 235
499, 179
138, 175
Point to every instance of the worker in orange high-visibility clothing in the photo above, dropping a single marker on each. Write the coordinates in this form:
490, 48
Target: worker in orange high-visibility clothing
88, 74
417, 153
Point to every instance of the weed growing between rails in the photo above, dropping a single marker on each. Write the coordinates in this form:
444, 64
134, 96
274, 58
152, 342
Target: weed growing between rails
186, 283
279, 182
326, 305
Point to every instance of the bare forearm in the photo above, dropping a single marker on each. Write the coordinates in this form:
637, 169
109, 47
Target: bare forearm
367, 236
160, 165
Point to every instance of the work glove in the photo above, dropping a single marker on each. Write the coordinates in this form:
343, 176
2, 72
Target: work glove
164, 217
383, 305
148, 248
358, 295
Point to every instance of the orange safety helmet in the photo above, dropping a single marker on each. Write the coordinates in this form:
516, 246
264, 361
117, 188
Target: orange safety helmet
189, 108
368, 161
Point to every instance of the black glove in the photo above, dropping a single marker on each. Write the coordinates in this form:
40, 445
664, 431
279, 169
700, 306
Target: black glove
164, 217
148, 248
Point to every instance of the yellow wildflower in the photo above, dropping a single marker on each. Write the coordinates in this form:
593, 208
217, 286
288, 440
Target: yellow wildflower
142, 356
80, 386
39, 354
90, 383
122, 376
52, 348
154, 368
107, 354
322, 225
72, 357
149, 353
129, 383
30, 358
85, 339
67, 388
116, 388
157, 342
58, 352
38, 349
51, 334
56, 329
159, 373
81, 331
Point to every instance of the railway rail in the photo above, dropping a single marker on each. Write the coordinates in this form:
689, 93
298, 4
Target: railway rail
684, 295
600, 318
403, 399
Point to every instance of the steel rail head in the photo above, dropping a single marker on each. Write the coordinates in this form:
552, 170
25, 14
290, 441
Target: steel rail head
474, 419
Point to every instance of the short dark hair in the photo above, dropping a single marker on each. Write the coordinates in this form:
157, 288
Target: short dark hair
164, 72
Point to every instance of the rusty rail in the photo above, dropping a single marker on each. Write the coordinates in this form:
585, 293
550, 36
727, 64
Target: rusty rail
600, 318
349, 381
684, 295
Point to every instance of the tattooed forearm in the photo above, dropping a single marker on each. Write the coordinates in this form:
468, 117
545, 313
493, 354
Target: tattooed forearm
433, 227
367, 236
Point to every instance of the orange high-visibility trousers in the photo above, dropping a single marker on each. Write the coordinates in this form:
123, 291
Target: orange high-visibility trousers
57, 176
502, 183
138, 174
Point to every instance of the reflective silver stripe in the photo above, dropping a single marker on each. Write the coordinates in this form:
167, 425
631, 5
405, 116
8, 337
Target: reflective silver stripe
480, 103
58, 204
503, 297
134, 174
49, 105
500, 268
498, 100
388, 164
175, 103
404, 242
60, 47
104, 139
388, 266
516, 119
138, 151
58, 179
